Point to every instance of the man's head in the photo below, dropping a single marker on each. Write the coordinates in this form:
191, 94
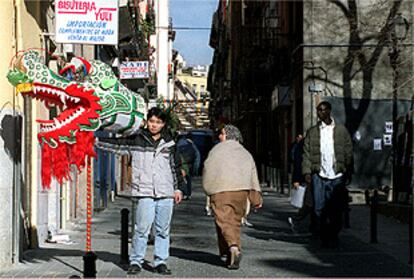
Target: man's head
299, 137
324, 111
156, 119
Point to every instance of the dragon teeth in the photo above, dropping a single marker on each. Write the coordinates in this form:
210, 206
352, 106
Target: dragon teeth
62, 95
62, 99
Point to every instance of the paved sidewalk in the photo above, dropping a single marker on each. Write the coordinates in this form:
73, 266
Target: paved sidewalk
392, 235
270, 249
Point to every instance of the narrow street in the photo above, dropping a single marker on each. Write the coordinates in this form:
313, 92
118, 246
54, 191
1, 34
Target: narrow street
270, 248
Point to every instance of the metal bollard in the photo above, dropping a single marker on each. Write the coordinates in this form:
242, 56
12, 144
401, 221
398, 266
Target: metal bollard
367, 199
271, 178
347, 210
276, 178
282, 181
410, 234
89, 265
124, 235
268, 177
374, 211
262, 173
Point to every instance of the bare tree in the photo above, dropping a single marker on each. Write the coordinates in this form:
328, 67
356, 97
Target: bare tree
367, 61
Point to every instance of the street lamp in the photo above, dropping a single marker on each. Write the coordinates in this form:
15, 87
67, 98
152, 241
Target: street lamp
398, 32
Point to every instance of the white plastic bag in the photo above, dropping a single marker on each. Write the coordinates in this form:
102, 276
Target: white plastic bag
298, 196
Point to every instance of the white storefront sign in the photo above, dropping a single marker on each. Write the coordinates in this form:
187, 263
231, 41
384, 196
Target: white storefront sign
87, 21
133, 69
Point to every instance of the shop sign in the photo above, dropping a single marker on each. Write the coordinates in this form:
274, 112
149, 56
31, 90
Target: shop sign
133, 69
87, 21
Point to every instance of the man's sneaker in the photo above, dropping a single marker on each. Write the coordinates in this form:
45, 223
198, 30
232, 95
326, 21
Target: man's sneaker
134, 269
162, 269
291, 224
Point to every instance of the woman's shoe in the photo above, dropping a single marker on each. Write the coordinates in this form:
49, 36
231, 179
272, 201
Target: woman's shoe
235, 258
208, 211
246, 223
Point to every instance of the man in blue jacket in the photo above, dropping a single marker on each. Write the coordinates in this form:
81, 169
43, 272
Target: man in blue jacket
156, 182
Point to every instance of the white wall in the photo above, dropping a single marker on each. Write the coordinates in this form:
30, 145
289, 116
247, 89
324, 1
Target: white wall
162, 48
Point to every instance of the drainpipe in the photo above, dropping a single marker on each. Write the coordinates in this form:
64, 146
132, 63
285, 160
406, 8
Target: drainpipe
25, 173
16, 192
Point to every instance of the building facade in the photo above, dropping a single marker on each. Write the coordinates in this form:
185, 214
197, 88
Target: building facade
274, 61
31, 214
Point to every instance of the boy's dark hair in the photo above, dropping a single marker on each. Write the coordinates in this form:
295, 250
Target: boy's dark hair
326, 104
157, 112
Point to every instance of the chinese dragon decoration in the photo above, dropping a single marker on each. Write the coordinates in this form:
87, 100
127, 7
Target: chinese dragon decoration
87, 96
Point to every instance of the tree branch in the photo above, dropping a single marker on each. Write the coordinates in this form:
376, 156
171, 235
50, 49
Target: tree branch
341, 6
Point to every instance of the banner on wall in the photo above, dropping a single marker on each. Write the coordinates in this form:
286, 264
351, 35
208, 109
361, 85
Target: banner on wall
87, 21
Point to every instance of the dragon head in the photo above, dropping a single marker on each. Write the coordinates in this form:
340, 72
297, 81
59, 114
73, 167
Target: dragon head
66, 138
77, 104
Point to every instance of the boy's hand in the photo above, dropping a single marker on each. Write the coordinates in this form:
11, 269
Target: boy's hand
178, 196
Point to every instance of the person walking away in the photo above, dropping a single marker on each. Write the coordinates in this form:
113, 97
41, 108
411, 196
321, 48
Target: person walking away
157, 183
230, 178
188, 153
197, 160
296, 158
328, 166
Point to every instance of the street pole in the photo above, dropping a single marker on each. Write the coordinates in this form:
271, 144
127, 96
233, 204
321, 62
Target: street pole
398, 32
394, 57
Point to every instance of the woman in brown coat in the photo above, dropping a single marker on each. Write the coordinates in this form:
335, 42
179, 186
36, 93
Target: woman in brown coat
230, 179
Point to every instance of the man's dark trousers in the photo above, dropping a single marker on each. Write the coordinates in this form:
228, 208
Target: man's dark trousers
329, 198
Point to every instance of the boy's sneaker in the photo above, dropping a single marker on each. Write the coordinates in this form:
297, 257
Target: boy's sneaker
134, 269
162, 269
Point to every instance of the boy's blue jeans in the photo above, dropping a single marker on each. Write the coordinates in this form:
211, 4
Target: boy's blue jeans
148, 211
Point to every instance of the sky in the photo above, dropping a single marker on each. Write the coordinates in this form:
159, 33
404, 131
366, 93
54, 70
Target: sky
193, 44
